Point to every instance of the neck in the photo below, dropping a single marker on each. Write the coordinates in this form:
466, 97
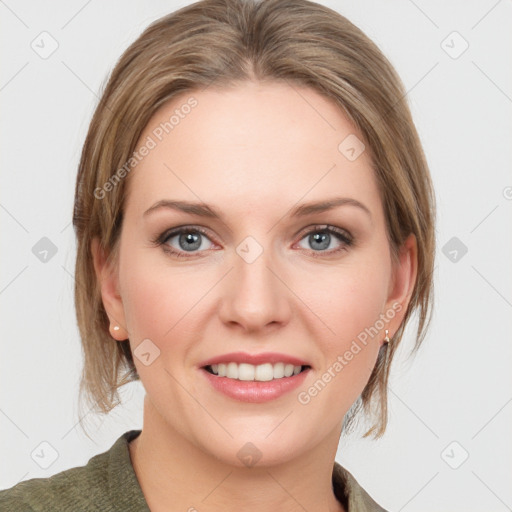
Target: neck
172, 470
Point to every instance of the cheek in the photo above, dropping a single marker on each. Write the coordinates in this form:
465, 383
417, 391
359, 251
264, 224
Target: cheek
158, 305
146, 306
359, 306
352, 309
352, 299
155, 297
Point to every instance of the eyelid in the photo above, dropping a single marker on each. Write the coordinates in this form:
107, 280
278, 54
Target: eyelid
344, 236
178, 230
326, 227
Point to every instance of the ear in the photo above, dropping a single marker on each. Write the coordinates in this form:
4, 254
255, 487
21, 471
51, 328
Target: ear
109, 284
402, 283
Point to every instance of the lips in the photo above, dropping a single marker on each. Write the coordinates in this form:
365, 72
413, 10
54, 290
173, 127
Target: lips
254, 377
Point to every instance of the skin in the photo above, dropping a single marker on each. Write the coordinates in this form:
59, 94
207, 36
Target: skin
254, 152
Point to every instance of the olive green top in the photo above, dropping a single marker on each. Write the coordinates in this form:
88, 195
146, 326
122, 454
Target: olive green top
108, 483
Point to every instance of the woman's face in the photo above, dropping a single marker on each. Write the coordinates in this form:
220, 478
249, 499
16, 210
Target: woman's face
263, 284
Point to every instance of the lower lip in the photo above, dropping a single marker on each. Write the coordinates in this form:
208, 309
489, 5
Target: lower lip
255, 391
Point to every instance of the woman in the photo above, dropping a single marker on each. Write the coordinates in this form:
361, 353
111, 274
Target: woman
255, 226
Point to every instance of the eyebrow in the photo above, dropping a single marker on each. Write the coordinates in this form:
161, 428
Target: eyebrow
205, 210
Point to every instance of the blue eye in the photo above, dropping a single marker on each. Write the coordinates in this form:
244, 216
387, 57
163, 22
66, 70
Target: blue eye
191, 240
188, 239
321, 237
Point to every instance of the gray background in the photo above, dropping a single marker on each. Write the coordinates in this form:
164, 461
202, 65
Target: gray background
454, 400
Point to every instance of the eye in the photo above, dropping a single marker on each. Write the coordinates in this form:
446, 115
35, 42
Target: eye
184, 240
322, 238
194, 240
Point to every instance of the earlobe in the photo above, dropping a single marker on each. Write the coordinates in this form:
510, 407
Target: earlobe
108, 282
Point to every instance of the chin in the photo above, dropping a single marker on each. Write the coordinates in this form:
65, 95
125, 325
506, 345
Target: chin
250, 448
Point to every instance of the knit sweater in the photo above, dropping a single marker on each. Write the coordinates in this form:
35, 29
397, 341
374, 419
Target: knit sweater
108, 483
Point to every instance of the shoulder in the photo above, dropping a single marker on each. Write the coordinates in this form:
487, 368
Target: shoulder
73, 487
63, 491
78, 488
90, 487
349, 492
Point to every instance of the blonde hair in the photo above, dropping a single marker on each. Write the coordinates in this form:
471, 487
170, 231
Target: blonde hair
226, 42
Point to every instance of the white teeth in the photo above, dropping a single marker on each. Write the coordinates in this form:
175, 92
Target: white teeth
245, 371
288, 370
262, 372
232, 371
278, 370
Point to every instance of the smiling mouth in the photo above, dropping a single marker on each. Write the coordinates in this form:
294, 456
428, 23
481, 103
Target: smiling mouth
249, 372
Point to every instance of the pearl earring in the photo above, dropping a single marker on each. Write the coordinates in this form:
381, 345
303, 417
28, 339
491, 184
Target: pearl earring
386, 339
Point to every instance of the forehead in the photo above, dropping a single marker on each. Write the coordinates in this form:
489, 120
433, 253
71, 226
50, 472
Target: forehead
248, 146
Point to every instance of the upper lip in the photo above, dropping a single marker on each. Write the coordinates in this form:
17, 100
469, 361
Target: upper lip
254, 359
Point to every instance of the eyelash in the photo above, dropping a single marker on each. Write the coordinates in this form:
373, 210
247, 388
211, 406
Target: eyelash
342, 235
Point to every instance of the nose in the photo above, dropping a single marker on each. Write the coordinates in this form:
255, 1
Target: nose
254, 294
